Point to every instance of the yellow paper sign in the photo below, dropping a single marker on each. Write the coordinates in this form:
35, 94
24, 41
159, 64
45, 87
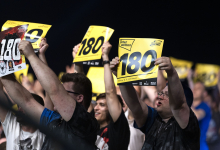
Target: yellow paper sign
207, 73
34, 32
90, 49
18, 74
60, 75
137, 57
30, 77
182, 67
96, 76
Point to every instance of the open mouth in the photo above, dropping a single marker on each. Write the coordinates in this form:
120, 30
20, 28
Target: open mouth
159, 103
96, 114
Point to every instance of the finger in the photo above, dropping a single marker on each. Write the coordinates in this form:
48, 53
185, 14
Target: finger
158, 61
163, 65
163, 68
114, 60
113, 65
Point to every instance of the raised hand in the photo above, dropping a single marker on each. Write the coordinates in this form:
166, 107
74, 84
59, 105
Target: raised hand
114, 65
43, 46
75, 50
25, 47
165, 64
106, 47
70, 69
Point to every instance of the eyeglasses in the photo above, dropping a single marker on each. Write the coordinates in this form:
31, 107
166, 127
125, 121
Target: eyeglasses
161, 93
72, 92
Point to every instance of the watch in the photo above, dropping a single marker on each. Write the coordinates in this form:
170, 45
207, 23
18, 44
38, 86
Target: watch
105, 62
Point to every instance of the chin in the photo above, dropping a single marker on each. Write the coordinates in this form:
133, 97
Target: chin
158, 109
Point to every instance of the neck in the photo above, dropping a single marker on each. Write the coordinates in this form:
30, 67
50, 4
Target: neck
196, 102
28, 128
104, 124
165, 118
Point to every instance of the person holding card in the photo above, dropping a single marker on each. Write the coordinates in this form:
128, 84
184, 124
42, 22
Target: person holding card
72, 122
172, 124
114, 133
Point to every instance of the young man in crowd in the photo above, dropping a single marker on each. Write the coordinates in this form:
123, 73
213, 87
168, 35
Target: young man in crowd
202, 112
172, 124
114, 131
19, 133
72, 122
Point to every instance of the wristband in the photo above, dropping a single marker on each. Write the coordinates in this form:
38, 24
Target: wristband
105, 62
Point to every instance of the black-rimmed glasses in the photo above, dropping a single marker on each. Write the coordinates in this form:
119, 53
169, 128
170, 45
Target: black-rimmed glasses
161, 93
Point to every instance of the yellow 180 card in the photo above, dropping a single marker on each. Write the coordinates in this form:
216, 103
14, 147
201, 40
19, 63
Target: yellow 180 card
182, 67
207, 73
90, 49
137, 56
33, 34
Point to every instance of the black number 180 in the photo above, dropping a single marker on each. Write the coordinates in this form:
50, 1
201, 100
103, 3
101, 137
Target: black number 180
90, 43
135, 62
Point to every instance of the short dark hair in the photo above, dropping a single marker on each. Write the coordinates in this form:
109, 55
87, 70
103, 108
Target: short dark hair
103, 96
38, 99
82, 85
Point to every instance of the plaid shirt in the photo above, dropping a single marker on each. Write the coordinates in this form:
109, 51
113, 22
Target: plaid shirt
170, 136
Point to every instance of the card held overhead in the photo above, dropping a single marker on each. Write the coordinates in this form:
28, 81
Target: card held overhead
207, 73
137, 56
10, 58
34, 33
90, 52
182, 67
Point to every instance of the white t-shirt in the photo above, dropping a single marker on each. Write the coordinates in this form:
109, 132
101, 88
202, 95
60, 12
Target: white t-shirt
136, 136
18, 139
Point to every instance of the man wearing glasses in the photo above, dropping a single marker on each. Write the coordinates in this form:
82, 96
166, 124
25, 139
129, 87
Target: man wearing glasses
172, 125
71, 122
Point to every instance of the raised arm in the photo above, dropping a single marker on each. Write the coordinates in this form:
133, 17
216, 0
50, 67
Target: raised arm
177, 99
64, 103
43, 48
22, 97
161, 81
189, 79
137, 107
3, 99
113, 103
77, 66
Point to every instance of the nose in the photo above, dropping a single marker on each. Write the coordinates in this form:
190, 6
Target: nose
96, 107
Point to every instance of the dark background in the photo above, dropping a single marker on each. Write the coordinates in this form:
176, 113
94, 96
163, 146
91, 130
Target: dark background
190, 29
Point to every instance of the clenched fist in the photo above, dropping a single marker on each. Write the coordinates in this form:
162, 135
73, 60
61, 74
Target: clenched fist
26, 48
114, 65
106, 47
43, 46
75, 50
165, 64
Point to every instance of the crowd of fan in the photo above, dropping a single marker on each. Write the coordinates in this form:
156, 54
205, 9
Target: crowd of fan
169, 116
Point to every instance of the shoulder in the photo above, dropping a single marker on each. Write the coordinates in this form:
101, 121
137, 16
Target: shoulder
9, 118
152, 114
83, 120
48, 116
120, 123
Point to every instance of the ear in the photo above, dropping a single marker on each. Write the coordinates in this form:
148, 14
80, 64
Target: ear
80, 98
